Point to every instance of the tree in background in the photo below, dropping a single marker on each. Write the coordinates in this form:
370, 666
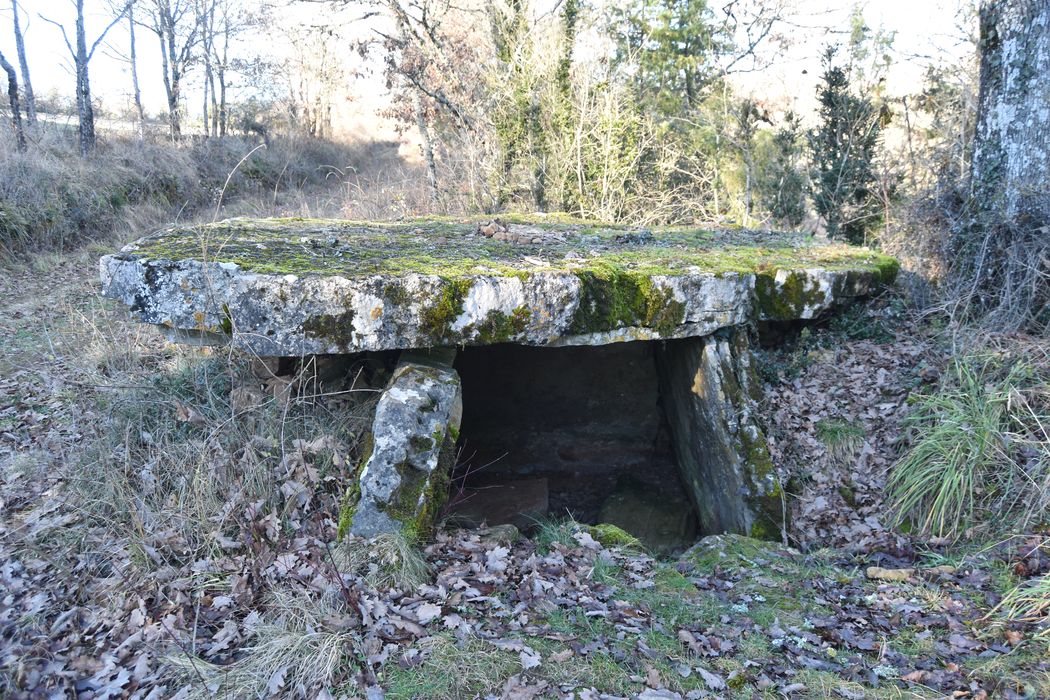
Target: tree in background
518, 73
82, 56
314, 75
1003, 254
438, 62
231, 20
747, 116
843, 149
136, 93
949, 103
27, 84
131, 58
176, 26
782, 183
671, 47
16, 109
205, 18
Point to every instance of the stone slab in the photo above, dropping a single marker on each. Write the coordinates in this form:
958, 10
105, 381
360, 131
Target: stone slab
710, 393
289, 287
404, 481
523, 503
661, 523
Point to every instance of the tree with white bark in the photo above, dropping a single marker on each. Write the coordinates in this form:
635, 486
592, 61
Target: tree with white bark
1004, 251
16, 109
136, 92
82, 56
176, 24
23, 65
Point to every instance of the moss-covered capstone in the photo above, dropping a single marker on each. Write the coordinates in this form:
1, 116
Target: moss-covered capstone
301, 286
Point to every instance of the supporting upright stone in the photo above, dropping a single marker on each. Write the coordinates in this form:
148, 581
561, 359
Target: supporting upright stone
404, 481
709, 391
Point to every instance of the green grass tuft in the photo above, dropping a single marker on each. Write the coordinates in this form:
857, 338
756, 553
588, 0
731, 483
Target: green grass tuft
980, 452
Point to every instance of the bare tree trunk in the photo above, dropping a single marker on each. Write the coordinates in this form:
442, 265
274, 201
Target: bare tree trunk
223, 116
205, 113
27, 85
1011, 156
221, 71
173, 85
81, 58
85, 111
137, 94
173, 117
206, 22
167, 18
16, 110
428, 152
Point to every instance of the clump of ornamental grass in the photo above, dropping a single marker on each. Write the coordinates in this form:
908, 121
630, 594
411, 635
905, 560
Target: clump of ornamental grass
980, 450
842, 439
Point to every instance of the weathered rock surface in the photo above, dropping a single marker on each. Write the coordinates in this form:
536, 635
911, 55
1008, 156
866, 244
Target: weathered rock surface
404, 481
710, 392
294, 287
305, 287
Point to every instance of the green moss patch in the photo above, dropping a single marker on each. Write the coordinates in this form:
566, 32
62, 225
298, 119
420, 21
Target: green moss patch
614, 297
453, 250
610, 535
438, 317
420, 500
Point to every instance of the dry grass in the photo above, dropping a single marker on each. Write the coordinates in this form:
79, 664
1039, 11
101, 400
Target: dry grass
455, 669
1029, 602
176, 466
980, 455
388, 560
302, 643
51, 199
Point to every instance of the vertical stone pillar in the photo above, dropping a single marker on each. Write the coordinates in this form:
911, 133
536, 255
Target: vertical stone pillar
404, 481
709, 392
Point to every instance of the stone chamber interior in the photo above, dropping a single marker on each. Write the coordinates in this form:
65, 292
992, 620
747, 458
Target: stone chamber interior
580, 431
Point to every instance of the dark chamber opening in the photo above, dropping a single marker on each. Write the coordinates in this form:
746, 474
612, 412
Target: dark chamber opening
580, 431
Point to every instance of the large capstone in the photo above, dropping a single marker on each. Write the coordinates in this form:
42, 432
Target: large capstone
295, 287
666, 414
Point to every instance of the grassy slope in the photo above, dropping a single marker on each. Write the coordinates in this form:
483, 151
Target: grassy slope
51, 199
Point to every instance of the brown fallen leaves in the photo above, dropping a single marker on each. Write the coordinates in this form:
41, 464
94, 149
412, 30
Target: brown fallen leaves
863, 385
